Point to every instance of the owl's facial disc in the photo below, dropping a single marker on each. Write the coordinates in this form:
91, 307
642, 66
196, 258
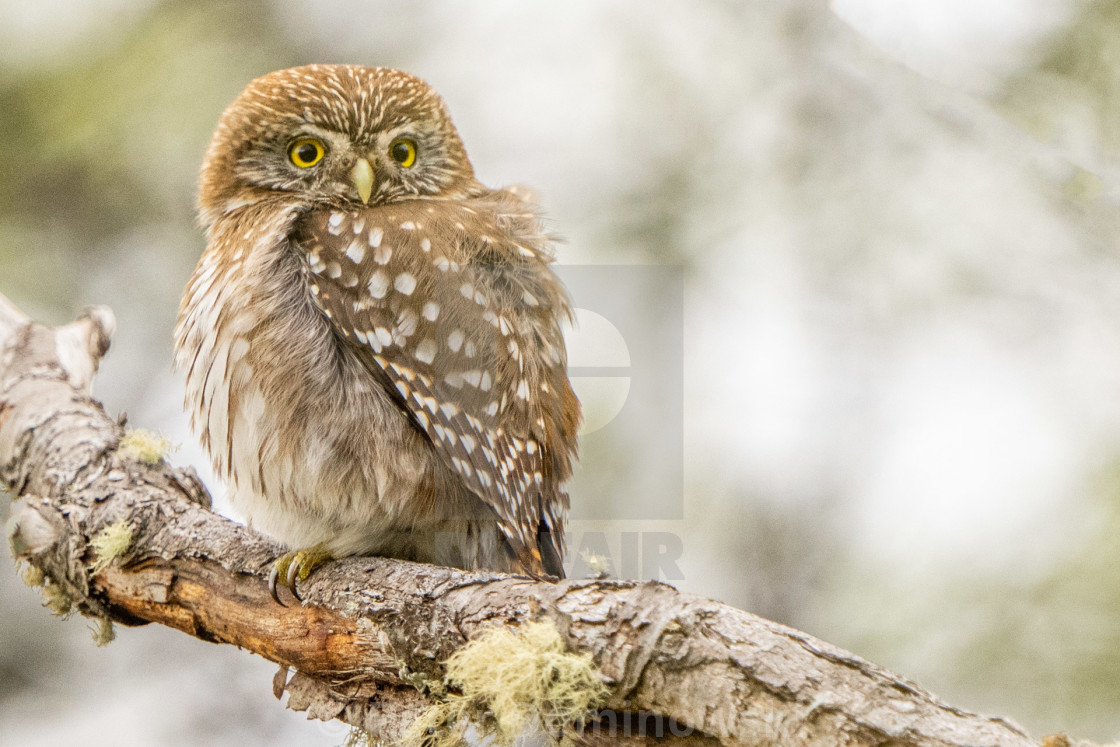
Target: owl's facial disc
361, 175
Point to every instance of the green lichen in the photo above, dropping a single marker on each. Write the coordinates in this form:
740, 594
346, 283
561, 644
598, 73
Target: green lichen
103, 632
54, 598
508, 682
145, 446
33, 577
110, 543
422, 682
360, 738
599, 565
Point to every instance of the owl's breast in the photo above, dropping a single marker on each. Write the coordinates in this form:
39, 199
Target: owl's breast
308, 442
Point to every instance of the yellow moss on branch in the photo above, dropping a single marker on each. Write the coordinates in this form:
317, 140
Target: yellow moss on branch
54, 598
111, 542
145, 446
508, 682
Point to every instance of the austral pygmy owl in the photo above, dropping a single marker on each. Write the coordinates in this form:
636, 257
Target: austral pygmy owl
372, 340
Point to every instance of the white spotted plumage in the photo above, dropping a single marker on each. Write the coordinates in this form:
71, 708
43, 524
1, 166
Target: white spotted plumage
461, 402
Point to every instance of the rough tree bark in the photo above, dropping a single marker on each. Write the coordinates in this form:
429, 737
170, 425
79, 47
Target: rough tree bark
371, 629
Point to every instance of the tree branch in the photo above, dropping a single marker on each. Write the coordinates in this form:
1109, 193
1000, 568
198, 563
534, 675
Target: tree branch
372, 629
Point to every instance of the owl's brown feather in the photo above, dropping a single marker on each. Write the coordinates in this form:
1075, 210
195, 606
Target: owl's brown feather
383, 378
454, 309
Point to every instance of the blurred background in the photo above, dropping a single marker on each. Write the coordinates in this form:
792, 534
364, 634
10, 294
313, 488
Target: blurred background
897, 226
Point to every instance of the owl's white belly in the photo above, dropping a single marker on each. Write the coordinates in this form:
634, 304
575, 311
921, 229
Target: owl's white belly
299, 469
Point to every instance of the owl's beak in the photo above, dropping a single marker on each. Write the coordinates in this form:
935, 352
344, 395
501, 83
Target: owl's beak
362, 177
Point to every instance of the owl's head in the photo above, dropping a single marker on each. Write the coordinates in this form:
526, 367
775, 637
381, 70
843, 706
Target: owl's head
333, 133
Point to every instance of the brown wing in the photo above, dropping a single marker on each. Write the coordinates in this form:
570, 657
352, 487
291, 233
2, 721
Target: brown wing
454, 306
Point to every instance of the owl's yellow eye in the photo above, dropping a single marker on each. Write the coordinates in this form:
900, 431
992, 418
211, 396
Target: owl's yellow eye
403, 152
306, 152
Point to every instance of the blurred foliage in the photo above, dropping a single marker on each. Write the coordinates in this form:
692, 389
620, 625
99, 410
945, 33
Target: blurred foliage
1043, 649
113, 140
1073, 90
1069, 95
1055, 644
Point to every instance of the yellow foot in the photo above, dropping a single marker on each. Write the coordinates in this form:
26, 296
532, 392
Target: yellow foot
296, 566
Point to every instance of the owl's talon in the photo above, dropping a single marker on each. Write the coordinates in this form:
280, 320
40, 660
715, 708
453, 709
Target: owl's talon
290, 577
294, 567
273, 575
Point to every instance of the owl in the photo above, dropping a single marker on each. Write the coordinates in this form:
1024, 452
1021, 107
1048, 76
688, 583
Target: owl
372, 339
